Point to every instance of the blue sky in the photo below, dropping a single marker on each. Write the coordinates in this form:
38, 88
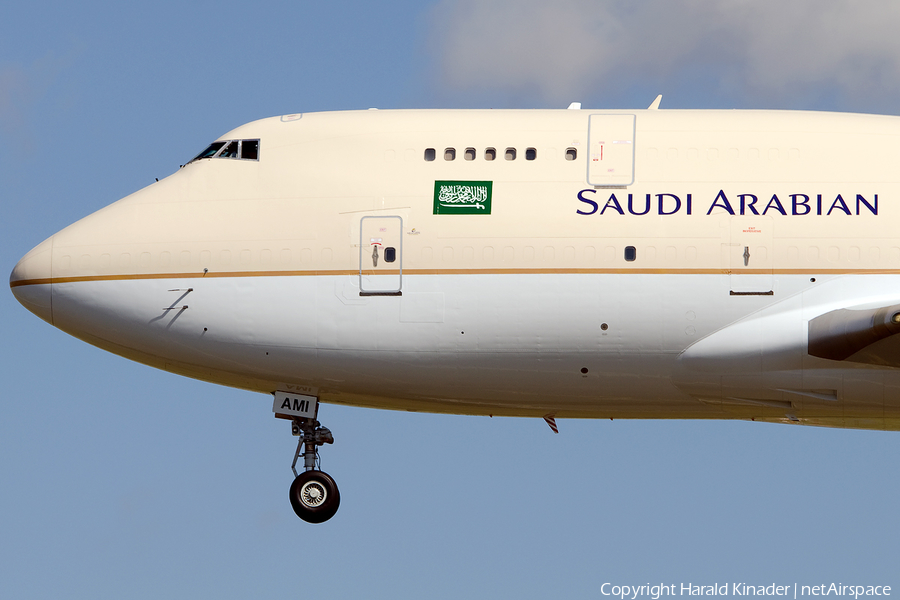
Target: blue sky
117, 480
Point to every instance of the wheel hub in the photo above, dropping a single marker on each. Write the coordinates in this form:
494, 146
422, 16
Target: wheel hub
313, 494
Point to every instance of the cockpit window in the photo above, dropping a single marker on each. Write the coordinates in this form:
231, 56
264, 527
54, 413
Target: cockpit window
210, 152
242, 149
250, 149
229, 151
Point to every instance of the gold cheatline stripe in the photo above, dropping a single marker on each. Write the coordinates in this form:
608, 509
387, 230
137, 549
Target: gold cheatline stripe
632, 271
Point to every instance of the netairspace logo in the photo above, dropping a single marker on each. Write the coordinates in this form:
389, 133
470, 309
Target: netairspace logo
655, 592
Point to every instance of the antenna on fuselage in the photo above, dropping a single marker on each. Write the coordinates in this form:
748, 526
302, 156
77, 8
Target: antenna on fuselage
655, 104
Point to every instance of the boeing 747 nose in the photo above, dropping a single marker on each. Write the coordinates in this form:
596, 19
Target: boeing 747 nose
30, 280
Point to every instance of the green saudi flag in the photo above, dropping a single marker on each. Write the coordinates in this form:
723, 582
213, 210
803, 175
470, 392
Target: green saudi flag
462, 197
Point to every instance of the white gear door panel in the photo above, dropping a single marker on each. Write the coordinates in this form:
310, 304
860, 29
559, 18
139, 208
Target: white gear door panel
380, 256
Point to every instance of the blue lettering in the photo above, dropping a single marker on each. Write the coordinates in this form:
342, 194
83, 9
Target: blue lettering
776, 204
631, 206
613, 203
795, 205
670, 204
843, 205
590, 203
750, 206
872, 209
660, 197
725, 203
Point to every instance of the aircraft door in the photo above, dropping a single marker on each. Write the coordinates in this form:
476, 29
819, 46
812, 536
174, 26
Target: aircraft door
610, 150
380, 256
751, 257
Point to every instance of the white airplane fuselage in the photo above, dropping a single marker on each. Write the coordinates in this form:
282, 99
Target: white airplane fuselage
605, 264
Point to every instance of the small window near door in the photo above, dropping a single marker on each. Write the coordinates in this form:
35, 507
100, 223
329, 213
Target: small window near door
390, 254
571, 153
530, 153
630, 253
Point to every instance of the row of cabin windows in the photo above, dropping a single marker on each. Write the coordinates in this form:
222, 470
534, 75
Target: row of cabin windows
491, 154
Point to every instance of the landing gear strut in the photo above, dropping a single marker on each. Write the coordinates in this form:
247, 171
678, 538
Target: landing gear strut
314, 494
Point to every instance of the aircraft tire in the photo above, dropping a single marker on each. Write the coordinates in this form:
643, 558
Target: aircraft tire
315, 496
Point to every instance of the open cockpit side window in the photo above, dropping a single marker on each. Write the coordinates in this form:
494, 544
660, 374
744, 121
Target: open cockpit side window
240, 149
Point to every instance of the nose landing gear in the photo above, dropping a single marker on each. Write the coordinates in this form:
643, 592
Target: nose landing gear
314, 494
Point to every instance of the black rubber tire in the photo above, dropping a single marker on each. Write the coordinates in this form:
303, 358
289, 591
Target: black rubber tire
309, 484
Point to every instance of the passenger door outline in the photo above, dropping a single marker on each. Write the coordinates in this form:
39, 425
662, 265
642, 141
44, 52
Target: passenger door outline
381, 255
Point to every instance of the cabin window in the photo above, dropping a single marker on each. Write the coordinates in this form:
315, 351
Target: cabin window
429, 154
490, 153
470, 154
630, 253
571, 153
510, 154
390, 254
530, 153
449, 153
250, 149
